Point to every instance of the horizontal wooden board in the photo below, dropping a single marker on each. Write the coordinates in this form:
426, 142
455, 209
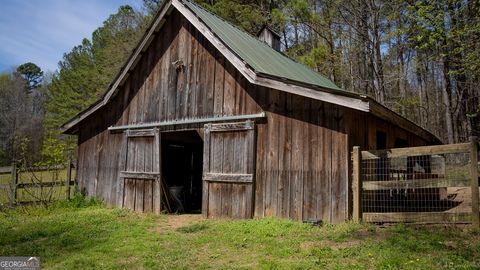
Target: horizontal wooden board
415, 183
141, 133
179, 122
231, 126
6, 170
228, 177
44, 184
417, 151
140, 175
418, 217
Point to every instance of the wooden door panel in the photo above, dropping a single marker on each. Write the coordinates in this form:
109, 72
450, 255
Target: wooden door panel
139, 184
129, 194
228, 176
141, 174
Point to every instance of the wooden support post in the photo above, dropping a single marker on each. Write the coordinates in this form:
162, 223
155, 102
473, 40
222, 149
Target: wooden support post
206, 168
357, 184
69, 178
13, 195
474, 178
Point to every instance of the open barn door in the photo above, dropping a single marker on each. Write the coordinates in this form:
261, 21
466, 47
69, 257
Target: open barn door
140, 175
228, 170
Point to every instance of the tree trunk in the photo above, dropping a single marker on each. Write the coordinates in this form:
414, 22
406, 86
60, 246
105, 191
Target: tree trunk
377, 62
446, 96
331, 44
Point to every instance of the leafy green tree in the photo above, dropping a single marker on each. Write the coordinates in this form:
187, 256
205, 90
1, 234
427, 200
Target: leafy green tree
73, 87
85, 72
15, 118
113, 43
32, 73
152, 5
447, 33
249, 15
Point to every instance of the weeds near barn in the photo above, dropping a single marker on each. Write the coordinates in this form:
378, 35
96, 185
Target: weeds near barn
83, 234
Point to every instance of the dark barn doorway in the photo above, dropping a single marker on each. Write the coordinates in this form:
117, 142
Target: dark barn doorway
182, 161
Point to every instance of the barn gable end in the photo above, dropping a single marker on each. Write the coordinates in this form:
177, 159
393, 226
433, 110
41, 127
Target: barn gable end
203, 84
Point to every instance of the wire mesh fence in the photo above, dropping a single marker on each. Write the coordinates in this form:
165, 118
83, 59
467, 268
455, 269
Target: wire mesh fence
414, 184
425, 184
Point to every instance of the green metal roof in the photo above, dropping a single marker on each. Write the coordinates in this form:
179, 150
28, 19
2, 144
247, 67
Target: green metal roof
257, 54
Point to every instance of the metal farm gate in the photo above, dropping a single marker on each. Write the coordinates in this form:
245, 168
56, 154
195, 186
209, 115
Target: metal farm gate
428, 184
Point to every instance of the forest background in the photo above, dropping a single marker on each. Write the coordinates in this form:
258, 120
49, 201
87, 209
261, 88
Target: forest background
418, 58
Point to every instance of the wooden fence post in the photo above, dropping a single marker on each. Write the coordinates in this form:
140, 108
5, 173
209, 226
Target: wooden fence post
357, 184
69, 178
474, 178
13, 195
76, 188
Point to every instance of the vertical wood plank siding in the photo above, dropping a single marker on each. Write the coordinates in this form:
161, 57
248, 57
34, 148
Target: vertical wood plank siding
303, 167
302, 149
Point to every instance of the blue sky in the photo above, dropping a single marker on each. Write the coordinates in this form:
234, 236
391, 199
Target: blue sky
40, 31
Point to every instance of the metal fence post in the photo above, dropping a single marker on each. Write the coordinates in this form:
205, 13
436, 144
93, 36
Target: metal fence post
357, 184
474, 178
13, 195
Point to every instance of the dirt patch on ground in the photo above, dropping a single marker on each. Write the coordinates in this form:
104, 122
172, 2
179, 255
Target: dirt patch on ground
309, 245
462, 196
377, 234
177, 221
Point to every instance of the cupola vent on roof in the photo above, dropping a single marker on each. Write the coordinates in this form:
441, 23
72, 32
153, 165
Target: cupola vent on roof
270, 37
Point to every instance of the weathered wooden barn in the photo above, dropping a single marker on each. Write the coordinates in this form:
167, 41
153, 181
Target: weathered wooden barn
242, 130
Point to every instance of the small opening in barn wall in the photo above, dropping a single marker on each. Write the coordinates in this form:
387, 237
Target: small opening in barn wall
182, 161
381, 140
381, 168
400, 143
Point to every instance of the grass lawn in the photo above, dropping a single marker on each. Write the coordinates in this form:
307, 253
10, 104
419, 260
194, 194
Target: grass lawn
84, 235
